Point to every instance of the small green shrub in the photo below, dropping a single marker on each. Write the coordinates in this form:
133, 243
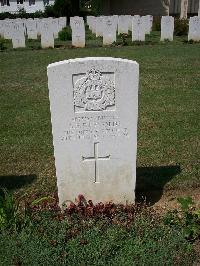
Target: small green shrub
2, 44
181, 27
49, 11
8, 210
188, 219
123, 37
65, 34
12, 217
88, 234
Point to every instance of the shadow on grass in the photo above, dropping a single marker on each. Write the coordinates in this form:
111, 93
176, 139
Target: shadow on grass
150, 182
14, 182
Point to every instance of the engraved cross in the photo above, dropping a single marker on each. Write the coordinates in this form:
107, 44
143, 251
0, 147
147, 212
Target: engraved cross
95, 159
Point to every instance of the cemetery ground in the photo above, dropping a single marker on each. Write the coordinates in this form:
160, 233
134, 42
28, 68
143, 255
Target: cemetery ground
167, 163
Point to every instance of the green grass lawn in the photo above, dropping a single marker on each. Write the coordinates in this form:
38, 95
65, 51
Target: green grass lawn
168, 131
168, 156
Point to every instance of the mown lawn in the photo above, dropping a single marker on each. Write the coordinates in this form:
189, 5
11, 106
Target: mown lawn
168, 131
168, 157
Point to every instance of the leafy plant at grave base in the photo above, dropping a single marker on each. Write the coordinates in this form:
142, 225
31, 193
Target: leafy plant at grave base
65, 34
188, 218
9, 210
181, 27
123, 37
91, 234
2, 44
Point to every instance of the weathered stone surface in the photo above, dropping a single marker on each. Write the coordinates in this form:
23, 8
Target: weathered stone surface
194, 29
47, 37
18, 38
148, 22
62, 22
99, 26
138, 29
109, 30
123, 24
78, 31
94, 111
7, 29
167, 28
56, 27
31, 28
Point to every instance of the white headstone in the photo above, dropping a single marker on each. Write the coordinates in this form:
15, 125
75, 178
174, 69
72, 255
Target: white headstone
194, 29
2, 28
138, 29
147, 20
56, 27
78, 32
123, 24
91, 21
62, 22
99, 26
31, 28
7, 29
38, 25
47, 37
94, 112
130, 18
167, 28
18, 38
116, 17
109, 31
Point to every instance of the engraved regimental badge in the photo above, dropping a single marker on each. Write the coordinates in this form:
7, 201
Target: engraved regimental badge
94, 92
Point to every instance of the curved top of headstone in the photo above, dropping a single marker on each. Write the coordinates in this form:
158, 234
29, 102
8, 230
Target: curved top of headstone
85, 59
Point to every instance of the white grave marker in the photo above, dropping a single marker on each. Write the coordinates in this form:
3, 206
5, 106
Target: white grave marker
7, 29
138, 29
167, 28
18, 38
94, 111
147, 20
123, 24
99, 26
78, 31
109, 31
194, 29
56, 27
47, 37
31, 28
62, 22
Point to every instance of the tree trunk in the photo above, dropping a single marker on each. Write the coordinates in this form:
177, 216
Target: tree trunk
166, 5
184, 8
75, 7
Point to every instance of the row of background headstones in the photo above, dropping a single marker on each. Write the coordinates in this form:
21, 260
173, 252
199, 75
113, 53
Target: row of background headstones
105, 26
17, 29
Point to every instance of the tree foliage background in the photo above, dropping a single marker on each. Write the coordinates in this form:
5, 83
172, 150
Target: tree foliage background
70, 8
